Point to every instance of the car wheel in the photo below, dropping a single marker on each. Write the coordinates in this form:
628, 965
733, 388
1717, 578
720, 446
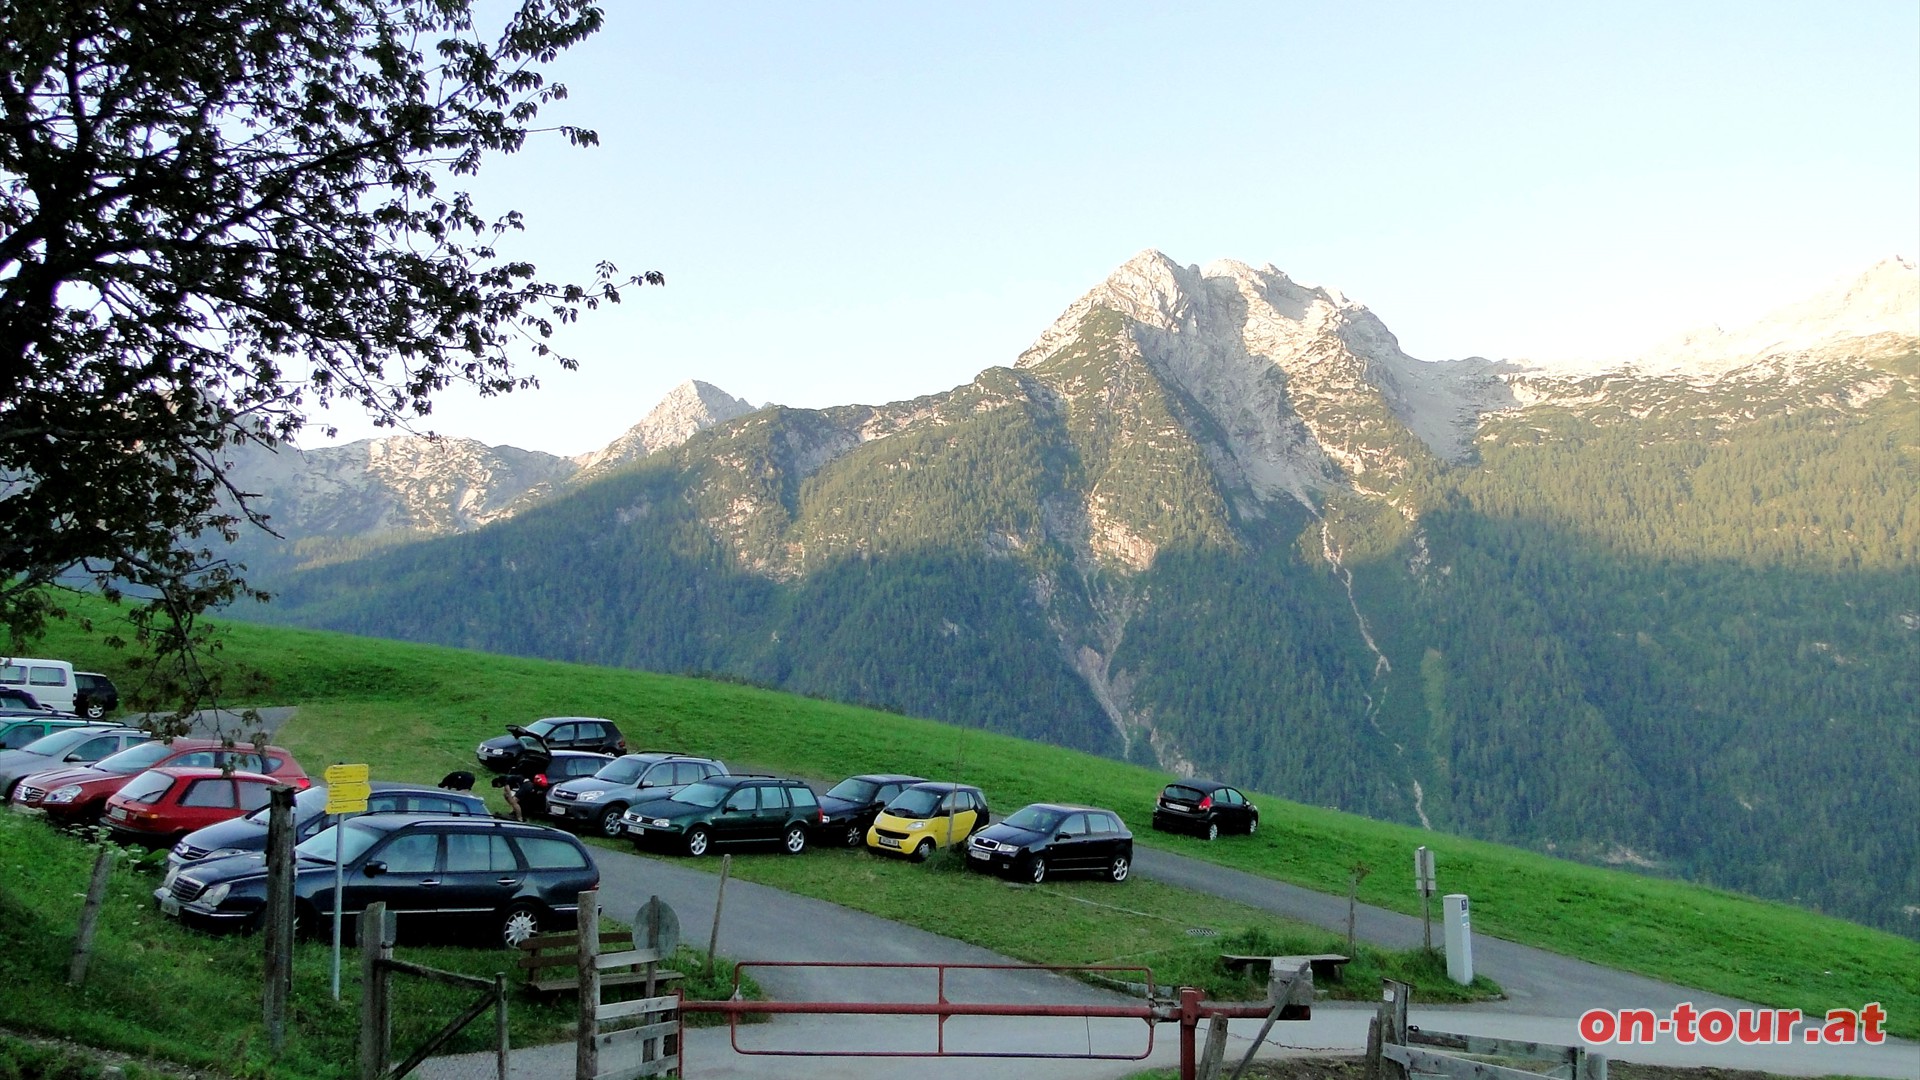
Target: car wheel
610, 820
795, 840
520, 923
94, 710
855, 835
1035, 870
698, 841
923, 852
1119, 868
1253, 825
1213, 831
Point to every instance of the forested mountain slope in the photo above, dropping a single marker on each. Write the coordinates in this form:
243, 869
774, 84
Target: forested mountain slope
1218, 520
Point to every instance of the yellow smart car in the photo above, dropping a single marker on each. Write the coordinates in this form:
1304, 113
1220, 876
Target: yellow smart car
926, 817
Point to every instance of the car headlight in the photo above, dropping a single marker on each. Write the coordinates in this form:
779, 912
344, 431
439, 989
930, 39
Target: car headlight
65, 794
172, 872
591, 796
213, 896
918, 825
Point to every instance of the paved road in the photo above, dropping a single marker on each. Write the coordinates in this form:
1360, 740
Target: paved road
759, 923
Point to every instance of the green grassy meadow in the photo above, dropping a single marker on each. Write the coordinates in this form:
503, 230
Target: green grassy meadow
414, 712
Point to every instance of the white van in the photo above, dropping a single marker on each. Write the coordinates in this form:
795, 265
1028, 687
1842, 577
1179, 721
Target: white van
49, 681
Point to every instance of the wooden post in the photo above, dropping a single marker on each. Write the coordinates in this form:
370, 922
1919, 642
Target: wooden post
713, 939
277, 929
586, 1056
1357, 873
500, 1020
1215, 1050
90, 916
376, 1009
1392, 1021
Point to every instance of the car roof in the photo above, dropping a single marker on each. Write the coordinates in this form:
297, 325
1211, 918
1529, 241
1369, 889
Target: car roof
1200, 785
943, 785
1069, 808
199, 772
652, 756
393, 822
889, 778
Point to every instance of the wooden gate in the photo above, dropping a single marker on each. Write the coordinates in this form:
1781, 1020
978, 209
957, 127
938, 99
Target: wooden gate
377, 969
624, 1040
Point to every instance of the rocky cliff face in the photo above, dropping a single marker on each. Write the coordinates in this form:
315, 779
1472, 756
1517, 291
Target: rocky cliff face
692, 407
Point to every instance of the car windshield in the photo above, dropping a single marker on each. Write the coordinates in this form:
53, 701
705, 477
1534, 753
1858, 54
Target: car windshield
134, 758
60, 742
1035, 819
853, 789
354, 840
704, 795
621, 771
915, 802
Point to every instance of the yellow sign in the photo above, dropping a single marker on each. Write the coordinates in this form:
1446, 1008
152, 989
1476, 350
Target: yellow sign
347, 789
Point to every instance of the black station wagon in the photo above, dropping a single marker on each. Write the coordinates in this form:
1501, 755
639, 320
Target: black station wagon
503, 881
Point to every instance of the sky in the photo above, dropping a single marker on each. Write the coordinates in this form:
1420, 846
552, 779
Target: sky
860, 203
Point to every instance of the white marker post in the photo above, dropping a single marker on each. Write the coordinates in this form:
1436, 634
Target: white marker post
1459, 935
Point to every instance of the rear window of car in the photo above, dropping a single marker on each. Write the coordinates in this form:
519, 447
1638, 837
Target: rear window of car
551, 853
1183, 793
802, 797
147, 787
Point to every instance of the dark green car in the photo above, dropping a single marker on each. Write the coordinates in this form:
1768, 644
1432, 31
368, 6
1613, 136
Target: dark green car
728, 810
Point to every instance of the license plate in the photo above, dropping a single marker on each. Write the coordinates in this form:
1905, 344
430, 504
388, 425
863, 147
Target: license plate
117, 813
976, 853
557, 810
170, 906
888, 841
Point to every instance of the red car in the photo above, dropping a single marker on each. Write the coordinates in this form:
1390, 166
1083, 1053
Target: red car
160, 806
77, 796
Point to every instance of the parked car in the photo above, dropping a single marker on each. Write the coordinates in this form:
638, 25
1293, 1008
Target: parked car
50, 682
310, 815
597, 801
77, 795
81, 744
1205, 808
1044, 839
17, 731
526, 788
926, 817
17, 702
853, 803
728, 810
158, 807
512, 751
506, 879
94, 695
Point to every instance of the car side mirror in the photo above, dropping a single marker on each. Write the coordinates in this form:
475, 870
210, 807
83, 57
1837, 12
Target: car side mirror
1059, 836
375, 868
75, 756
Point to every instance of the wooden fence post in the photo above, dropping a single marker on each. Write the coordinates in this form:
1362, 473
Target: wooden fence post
586, 1057
376, 1010
713, 939
277, 930
90, 916
500, 1020
1215, 1050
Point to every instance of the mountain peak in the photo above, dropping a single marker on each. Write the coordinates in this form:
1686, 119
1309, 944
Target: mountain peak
687, 410
1885, 299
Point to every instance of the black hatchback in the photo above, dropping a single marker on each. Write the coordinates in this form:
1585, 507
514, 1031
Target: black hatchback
853, 803
1205, 808
1044, 839
499, 881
